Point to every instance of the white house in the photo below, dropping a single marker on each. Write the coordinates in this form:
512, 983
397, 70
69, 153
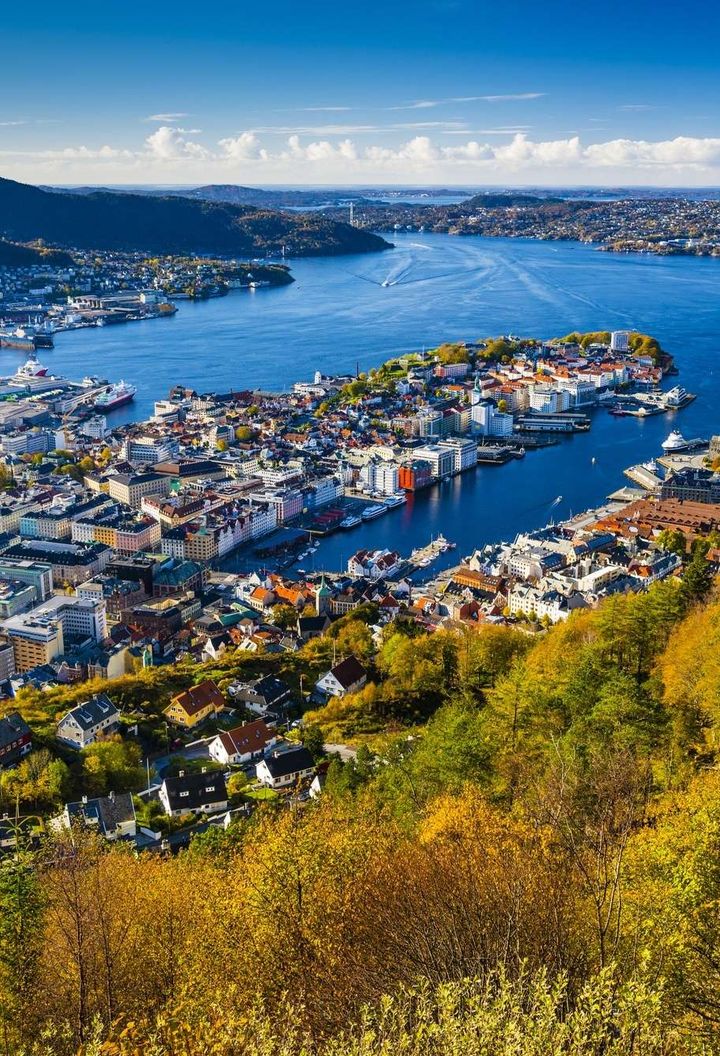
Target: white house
346, 677
83, 724
282, 768
242, 744
202, 793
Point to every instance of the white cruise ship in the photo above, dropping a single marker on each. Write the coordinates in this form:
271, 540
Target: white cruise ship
677, 442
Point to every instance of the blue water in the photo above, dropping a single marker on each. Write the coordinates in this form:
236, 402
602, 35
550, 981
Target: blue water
442, 288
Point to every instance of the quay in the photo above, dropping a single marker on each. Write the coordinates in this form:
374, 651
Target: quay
645, 475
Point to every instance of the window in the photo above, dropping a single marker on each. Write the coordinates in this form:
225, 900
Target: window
210, 788
184, 793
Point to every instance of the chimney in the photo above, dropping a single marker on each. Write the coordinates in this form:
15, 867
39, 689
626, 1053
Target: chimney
84, 799
181, 773
111, 797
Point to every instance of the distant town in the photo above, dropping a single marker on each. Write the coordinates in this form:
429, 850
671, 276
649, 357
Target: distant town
41, 299
667, 225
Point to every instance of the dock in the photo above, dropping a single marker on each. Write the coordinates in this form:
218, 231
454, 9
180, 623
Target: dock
552, 423
496, 455
643, 476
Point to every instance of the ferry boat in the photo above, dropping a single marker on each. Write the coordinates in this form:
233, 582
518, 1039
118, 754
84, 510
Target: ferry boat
371, 512
677, 442
350, 522
396, 500
114, 396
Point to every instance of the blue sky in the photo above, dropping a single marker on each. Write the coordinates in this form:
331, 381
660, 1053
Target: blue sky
430, 91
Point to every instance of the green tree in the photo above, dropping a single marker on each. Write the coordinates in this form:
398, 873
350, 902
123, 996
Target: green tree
314, 740
698, 576
672, 540
21, 911
284, 616
112, 765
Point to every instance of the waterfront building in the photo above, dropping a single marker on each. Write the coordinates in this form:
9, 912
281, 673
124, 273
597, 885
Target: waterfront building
380, 477
287, 504
464, 452
691, 484
489, 421
374, 564
547, 399
414, 475
440, 458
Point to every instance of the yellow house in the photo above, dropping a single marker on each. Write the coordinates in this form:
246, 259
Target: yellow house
191, 707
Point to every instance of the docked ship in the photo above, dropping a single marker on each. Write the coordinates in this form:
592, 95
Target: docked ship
396, 500
32, 369
114, 396
27, 338
677, 442
371, 512
350, 521
672, 400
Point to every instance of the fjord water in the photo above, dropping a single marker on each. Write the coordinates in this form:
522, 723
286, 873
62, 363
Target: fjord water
348, 311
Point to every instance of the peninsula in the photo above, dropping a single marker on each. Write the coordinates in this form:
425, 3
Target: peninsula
105, 220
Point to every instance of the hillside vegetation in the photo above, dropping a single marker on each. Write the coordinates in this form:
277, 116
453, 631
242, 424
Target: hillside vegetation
522, 860
107, 220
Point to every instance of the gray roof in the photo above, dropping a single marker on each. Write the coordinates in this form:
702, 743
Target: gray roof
202, 789
284, 763
92, 712
107, 812
12, 727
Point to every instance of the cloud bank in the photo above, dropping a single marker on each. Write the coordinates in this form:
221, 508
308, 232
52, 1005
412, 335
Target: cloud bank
173, 154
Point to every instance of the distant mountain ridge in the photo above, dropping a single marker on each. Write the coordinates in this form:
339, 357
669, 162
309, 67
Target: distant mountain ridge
170, 224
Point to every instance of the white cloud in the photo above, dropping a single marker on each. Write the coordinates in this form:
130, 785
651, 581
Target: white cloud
436, 153
163, 118
169, 144
683, 152
244, 147
511, 98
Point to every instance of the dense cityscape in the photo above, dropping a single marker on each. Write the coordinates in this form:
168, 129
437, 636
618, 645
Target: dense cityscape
360, 530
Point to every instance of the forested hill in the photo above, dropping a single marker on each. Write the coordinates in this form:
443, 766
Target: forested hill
505, 201
106, 220
14, 256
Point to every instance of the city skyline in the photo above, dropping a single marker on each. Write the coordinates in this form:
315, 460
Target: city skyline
434, 92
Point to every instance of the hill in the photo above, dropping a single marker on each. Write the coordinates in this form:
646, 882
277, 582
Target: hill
13, 255
504, 201
170, 224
